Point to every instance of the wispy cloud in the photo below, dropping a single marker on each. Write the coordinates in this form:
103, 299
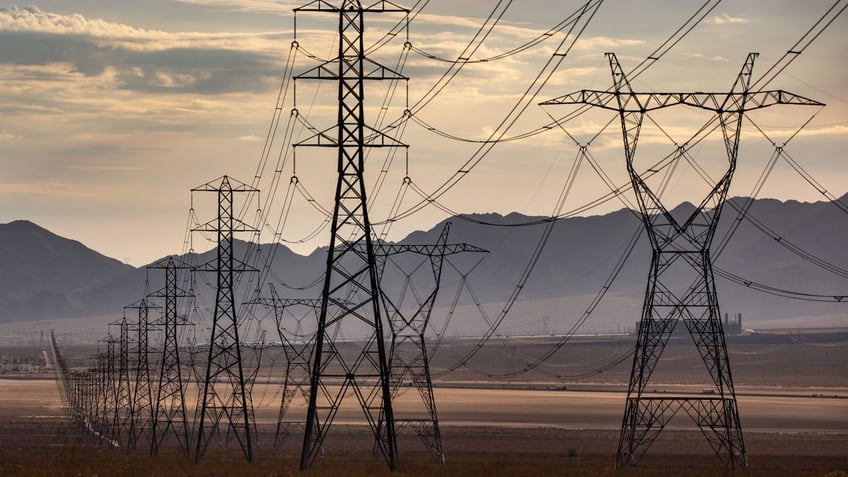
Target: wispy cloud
51, 189
248, 5
6, 136
140, 59
725, 19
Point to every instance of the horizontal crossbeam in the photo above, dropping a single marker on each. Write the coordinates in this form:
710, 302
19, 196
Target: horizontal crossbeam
717, 102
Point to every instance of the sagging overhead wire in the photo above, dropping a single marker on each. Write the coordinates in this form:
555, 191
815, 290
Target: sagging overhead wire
562, 25
744, 212
531, 265
541, 79
811, 35
652, 58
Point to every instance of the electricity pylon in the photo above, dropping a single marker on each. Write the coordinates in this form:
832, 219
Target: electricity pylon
169, 411
224, 393
409, 364
350, 282
110, 390
141, 404
681, 248
123, 386
297, 346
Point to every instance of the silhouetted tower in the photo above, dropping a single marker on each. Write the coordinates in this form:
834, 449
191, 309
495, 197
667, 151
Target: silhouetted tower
297, 348
169, 411
409, 362
350, 284
109, 393
121, 415
141, 405
681, 249
224, 395
88, 399
98, 377
75, 384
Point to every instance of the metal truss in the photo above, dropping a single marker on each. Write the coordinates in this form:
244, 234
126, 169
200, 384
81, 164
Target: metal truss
297, 348
681, 248
122, 414
409, 365
169, 410
350, 291
141, 404
225, 399
108, 392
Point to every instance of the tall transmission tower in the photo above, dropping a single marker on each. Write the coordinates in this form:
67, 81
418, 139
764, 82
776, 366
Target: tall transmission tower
681, 249
169, 411
224, 395
141, 404
297, 348
98, 404
350, 283
110, 391
409, 362
123, 386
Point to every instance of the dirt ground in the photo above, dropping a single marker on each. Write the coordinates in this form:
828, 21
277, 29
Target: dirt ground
792, 395
47, 447
545, 433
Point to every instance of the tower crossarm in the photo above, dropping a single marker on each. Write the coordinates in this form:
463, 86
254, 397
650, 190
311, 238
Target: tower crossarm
329, 70
427, 250
737, 102
377, 6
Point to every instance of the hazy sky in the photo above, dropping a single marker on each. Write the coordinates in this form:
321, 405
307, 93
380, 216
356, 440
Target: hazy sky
110, 112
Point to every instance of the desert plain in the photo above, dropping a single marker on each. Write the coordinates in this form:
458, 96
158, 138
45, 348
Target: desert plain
792, 394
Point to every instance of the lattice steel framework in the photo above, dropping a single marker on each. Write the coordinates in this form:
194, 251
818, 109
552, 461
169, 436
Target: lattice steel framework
409, 365
122, 385
224, 395
678, 247
350, 284
141, 404
297, 348
110, 390
169, 412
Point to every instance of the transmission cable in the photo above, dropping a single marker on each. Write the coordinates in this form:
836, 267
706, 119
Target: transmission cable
653, 57
509, 120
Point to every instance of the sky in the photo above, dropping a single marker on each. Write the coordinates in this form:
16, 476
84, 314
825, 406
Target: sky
111, 112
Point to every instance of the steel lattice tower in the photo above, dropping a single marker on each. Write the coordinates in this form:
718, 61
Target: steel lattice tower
169, 413
98, 404
141, 405
409, 365
224, 396
350, 284
681, 248
109, 397
123, 393
297, 350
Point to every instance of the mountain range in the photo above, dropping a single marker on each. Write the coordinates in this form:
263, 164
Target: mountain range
48, 277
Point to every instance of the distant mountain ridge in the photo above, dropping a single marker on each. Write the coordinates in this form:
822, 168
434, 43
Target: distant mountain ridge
45, 276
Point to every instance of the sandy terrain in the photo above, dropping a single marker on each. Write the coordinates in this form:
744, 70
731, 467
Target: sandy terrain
515, 427
793, 400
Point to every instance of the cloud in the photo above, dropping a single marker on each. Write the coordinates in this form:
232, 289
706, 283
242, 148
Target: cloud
51, 189
725, 19
701, 56
147, 60
248, 5
604, 43
6, 136
33, 19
